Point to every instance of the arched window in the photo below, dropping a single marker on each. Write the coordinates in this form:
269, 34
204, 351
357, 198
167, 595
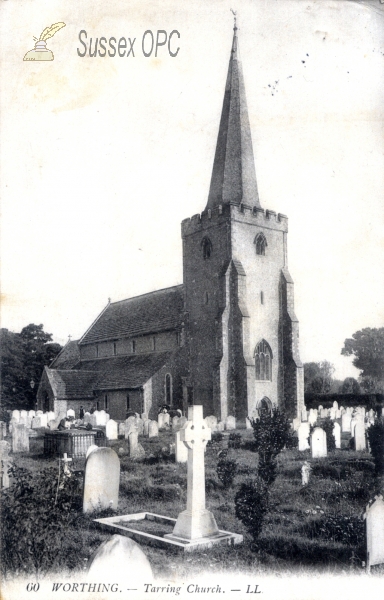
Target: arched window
168, 389
264, 406
206, 246
260, 243
263, 361
128, 404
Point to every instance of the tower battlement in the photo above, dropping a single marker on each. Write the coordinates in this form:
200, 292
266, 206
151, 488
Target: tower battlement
224, 212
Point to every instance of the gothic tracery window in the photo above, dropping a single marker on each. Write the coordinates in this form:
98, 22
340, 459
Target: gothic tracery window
206, 246
263, 361
260, 243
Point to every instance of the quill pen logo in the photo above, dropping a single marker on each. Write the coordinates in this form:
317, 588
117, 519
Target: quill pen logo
40, 51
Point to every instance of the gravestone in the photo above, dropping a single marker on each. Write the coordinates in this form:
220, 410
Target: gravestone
337, 434
144, 416
140, 425
324, 413
167, 419
146, 427
305, 473
303, 433
91, 449
161, 420
31, 414
371, 413
352, 428
16, 415
87, 418
101, 418
335, 405
70, 412
304, 415
174, 422
332, 413
20, 439
5, 463
111, 430
220, 426
181, 450
122, 429
121, 560
53, 425
360, 443
153, 429
130, 426
196, 521
318, 443
92, 419
136, 450
312, 417
338, 413
101, 480
39, 412
296, 424
23, 414
374, 516
3, 430
230, 423
346, 422
211, 422
44, 420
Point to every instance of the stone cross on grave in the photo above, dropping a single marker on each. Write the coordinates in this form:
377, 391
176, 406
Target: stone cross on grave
67, 460
195, 522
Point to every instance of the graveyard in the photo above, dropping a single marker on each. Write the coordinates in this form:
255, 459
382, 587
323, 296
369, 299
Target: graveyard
313, 521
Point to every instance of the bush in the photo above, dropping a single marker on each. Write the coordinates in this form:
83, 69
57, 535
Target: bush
271, 432
226, 471
376, 442
251, 504
35, 514
234, 440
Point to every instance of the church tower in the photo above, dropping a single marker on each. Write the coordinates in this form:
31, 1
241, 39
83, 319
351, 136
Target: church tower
242, 334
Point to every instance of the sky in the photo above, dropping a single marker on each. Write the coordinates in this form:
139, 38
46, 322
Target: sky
102, 158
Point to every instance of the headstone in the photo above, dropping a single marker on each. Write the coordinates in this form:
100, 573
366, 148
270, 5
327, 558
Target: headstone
304, 415
337, 434
39, 412
182, 422
111, 430
296, 424
230, 423
136, 450
44, 420
66, 461
211, 422
196, 521
70, 412
16, 415
5, 463
23, 414
53, 425
101, 418
374, 516
122, 429
338, 413
371, 413
346, 422
96, 414
121, 560
312, 417
220, 426
91, 449
144, 416
51, 415
320, 408
175, 421
318, 443
92, 419
130, 426
87, 418
360, 443
3, 430
324, 413
140, 426
20, 439
303, 433
146, 428
332, 413
101, 480
305, 473
153, 429
181, 450
161, 420
31, 413
167, 418
352, 427
335, 405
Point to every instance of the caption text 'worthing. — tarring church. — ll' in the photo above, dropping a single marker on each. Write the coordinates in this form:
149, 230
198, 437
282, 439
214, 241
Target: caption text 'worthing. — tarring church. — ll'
228, 338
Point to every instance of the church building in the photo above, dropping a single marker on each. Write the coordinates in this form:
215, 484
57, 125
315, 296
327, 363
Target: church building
228, 337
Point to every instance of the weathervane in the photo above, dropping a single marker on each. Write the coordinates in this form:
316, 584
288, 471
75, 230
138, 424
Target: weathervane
234, 12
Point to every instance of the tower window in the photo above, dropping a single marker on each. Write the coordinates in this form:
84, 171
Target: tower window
133, 346
97, 350
154, 343
260, 243
261, 297
114, 349
263, 361
206, 246
168, 389
106, 402
128, 402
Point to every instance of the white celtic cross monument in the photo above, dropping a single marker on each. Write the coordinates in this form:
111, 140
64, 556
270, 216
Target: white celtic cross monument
196, 521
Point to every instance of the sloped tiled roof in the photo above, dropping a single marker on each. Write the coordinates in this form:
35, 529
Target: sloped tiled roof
157, 311
119, 372
68, 357
72, 384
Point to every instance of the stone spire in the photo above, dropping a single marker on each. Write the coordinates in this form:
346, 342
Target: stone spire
233, 176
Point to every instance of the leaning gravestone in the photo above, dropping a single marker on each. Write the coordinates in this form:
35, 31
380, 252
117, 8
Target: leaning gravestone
318, 443
101, 480
121, 560
153, 429
181, 450
303, 434
111, 430
337, 434
374, 516
20, 439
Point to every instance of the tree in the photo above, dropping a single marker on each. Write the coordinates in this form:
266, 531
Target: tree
350, 386
23, 357
318, 377
367, 348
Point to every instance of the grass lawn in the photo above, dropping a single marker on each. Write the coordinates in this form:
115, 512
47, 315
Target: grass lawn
316, 528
